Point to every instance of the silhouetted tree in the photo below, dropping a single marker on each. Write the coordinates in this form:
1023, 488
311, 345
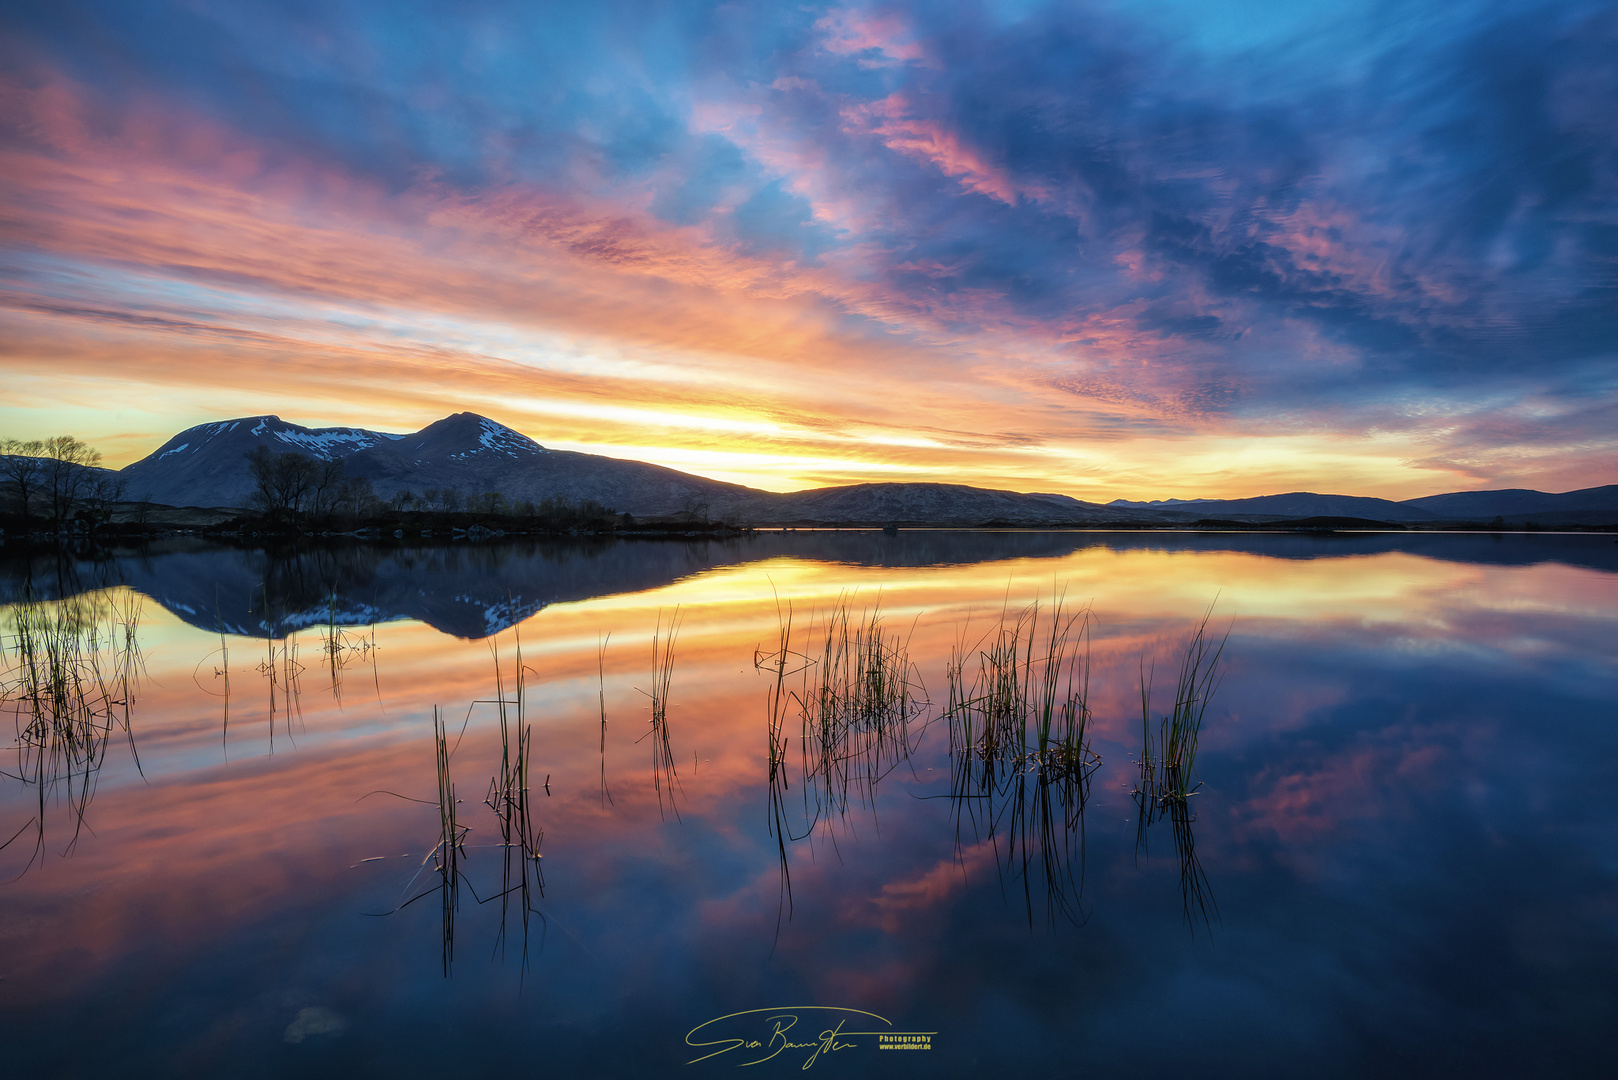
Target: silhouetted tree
356, 499
103, 493
490, 502
68, 467
326, 486
695, 509
281, 481
20, 462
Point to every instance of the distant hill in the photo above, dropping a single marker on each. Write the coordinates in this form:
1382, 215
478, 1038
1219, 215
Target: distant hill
206, 466
928, 504
1306, 504
1521, 503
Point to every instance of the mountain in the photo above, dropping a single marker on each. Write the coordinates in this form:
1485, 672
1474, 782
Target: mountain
1302, 504
926, 504
475, 454
1521, 503
1515, 506
207, 465
1156, 503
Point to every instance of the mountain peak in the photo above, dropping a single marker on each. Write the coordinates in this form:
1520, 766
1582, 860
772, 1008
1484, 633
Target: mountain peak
463, 434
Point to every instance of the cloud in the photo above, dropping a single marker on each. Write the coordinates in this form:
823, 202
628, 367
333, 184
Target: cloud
1052, 225
315, 1020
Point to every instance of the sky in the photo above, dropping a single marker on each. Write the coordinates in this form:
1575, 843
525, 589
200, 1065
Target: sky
1169, 248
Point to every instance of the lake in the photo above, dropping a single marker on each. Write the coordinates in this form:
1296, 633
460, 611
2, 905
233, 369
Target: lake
1391, 848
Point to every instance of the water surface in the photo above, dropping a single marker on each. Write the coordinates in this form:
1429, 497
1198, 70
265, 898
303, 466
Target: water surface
1405, 823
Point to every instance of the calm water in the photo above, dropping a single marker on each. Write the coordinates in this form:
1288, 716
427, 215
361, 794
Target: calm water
1405, 834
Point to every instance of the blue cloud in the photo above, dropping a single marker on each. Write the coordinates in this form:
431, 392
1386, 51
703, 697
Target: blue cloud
1431, 189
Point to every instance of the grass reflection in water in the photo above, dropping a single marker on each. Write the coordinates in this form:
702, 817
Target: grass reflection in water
1167, 764
71, 669
1020, 756
858, 693
509, 798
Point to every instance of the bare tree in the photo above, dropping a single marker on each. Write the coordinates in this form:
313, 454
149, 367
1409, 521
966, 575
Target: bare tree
282, 481
356, 498
20, 462
490, 502
696, 508
68, 465
326, 486
102, 494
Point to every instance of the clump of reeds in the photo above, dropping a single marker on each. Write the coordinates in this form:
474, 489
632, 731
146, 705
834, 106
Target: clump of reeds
1018, 717
777, 697
601, 701
283, 671
70, 676
665, 778
864, 691
342, 648
447, 853
1167, 763
444, 858
509, 797
860, 692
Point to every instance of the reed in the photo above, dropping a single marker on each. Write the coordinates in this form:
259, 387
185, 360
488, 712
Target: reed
70, 676
283, 672
665, 777
1026, 706
1018, 715
858, 696
509, 798
223, 671
858, 693
777, 699
601, 701
1169, 747
861, 696
340, 648
1167, 763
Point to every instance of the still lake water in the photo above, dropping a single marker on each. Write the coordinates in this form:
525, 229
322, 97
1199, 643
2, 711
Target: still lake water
1407, 826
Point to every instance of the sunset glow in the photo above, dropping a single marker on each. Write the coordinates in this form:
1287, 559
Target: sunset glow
1107, 250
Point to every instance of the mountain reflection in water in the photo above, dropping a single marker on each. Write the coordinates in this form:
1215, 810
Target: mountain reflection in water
476, 590
1395, 810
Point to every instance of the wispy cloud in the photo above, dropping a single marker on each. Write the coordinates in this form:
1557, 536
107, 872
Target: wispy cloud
1098, 255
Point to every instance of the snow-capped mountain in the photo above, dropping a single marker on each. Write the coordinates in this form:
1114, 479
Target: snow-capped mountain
207, 466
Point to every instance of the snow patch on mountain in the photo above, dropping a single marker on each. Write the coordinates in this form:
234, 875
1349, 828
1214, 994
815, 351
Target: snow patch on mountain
329, 442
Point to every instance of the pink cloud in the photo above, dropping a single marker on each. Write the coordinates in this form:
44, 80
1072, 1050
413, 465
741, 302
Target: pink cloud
862, 33
893, 121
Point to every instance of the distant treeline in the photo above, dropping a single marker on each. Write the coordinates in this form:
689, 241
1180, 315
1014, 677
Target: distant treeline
295, 489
